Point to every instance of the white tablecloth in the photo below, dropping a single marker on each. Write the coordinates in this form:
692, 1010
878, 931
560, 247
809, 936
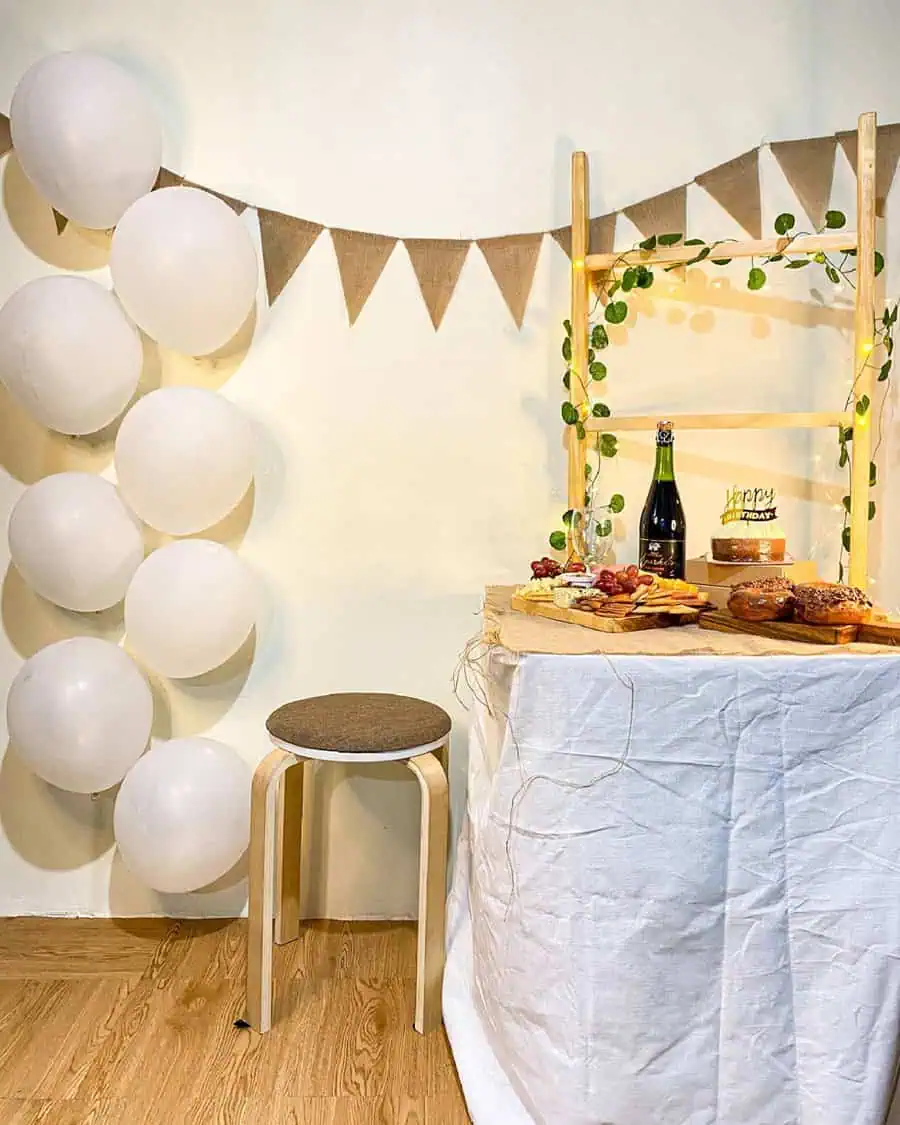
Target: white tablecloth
694, 922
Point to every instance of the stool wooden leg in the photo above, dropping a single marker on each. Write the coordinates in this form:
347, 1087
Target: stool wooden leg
263, 839
287, 865
432, 889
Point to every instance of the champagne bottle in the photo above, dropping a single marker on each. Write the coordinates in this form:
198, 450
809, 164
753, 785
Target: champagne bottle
662, 520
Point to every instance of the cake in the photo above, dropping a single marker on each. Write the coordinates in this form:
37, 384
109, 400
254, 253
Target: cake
750, 529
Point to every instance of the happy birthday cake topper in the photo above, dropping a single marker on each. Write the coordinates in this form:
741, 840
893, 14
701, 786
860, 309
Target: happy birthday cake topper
749, 505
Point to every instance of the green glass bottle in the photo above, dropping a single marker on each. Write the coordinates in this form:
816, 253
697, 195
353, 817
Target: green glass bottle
662, 520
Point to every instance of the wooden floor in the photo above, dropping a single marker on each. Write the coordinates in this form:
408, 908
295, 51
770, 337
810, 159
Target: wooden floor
131, 1023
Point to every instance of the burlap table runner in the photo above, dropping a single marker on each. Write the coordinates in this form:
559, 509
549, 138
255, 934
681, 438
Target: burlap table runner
519, 633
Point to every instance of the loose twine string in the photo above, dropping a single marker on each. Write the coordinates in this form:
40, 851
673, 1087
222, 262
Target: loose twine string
472, 675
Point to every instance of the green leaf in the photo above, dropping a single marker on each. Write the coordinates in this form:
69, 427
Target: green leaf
648, 243
695, 242
775, 258
879, 262
604, 528
588, 473
840, 572
616, 312
644, 277
608, 445
846, 503
617, 503
699, 256
863, 405
670, 239
851, 253
873, 474
613, 289
598, 370
558, 540
721, 261
784, 222
756, 279
568, 516
629, 280
567, 380
797, 263
871, 509
569, 414
819, 257
885, 370
567, 349
587, 502
832, 274
844, 458
889, 344
599, 337
834, 220
894, 314
600, 410
591, 355
567, 324
580, 431
845, 538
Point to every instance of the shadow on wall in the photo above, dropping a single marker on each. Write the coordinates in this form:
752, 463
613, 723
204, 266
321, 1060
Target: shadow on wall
31, 217
75, 828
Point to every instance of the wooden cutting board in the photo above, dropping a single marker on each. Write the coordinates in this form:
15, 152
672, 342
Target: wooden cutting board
603, 624
880, 633
723, 622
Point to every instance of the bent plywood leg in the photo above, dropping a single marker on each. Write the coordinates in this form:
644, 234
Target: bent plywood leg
287, 861
263, 824
432, 889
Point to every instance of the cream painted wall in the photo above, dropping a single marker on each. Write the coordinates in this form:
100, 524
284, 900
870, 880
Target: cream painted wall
399, 470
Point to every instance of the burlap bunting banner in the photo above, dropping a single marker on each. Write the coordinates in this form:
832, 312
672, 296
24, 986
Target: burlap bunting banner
808, 167
61, 221
512, 259
887, 153
5, 135
236, 205
601, 235
168, 179
437, 264
285, 243
734, 185
661, 214
361, 257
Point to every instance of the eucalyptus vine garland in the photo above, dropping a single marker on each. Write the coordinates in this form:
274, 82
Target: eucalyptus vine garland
613, 291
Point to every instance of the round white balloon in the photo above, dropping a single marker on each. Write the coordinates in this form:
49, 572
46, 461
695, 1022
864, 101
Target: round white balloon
185, 269
79, 713
86, 136
68, 353
182, 816
74, 541
190, 606
184, 458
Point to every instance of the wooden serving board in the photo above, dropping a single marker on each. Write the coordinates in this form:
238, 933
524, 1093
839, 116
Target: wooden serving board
603, 624
880, 633
724, 622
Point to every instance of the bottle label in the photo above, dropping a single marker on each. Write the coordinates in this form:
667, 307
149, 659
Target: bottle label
663, 557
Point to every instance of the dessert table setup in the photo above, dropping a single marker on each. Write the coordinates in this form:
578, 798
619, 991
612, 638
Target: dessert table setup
677, 890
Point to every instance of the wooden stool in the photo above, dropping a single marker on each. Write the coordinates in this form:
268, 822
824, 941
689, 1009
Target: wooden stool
344, 728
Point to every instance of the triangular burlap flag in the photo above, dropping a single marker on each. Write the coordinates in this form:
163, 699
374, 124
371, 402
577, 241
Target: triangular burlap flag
437, 263
601, 235
661, 214
808, 167
285, 243
61, 221
512, 259
236, 205
167, 179
5, 135
735, 187
562, 236
887, 154
361, 257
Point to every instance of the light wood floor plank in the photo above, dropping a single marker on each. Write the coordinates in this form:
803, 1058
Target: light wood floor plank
30, 947
49, 1112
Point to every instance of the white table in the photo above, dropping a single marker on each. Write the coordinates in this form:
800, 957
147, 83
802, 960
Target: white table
696, 925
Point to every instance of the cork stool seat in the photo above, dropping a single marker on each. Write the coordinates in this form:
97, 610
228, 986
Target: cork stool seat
348, 727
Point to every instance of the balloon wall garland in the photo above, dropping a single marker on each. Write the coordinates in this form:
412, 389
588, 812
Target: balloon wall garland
184, 271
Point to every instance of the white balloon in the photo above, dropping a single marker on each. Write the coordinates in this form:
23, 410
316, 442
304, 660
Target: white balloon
184, 458
68, 353
182, 816
185, 269
74, 541
86, 136
190, 606
79, 713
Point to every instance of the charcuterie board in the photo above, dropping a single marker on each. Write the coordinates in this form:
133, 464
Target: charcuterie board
723, 622
604, 624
